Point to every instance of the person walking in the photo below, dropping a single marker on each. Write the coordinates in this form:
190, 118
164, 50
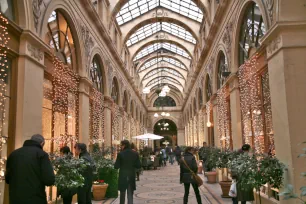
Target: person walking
127, 162
164, 156
244, 194
170, 154
188, 162
178, 154
133, 147
28, 172
84, 192
66, 194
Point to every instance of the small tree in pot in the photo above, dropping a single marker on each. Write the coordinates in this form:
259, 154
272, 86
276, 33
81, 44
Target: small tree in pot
211, 164
223, 161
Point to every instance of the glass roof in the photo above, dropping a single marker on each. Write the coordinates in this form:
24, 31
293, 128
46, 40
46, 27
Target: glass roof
163, 72
156, 46
163, 84
166, 59
150, 29
163, 79
135, 8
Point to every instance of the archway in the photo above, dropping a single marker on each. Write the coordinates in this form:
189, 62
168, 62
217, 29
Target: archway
168, 129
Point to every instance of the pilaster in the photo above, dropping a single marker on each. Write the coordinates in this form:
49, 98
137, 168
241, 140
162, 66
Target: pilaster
108, 103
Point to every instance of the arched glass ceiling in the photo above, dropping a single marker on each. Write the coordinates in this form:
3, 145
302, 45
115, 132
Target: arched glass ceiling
163, 72
135, 8
156, 46
163, 84
160, 59
153, 28
163, 79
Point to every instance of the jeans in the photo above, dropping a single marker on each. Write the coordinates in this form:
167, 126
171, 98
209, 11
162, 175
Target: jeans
130, 193
84, 195
171, 159
178, 158
67, 199
196, 191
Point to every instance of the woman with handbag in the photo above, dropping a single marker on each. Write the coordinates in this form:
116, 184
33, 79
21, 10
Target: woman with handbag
188, 174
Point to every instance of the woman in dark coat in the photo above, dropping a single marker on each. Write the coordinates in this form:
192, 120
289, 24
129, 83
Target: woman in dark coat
127, 161
247, 194
186, 175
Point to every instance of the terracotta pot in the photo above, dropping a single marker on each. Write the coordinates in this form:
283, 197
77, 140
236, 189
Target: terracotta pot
225, 186
99, 192
211, 176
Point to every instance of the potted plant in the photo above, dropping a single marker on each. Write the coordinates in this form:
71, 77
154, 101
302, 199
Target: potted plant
222, 163
68, 173
211, 164
99, 188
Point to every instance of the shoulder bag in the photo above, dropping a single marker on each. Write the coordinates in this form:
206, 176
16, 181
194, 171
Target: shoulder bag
197, 179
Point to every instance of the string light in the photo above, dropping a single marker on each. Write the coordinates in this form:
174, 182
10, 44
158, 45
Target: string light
97, 116
223, 117
208, 113
251, 105
3, 75
64, 103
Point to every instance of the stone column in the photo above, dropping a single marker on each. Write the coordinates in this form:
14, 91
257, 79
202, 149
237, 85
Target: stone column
30, 77
286, 51
84, 112
235, 112
205, 128
108, 102
180, 137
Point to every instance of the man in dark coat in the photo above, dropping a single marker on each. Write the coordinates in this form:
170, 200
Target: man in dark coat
84, 192
188, 162
127, 161
203, 153
28, 172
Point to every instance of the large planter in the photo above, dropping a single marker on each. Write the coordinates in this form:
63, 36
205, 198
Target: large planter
99, 191
110, 176
225, 186
211, 177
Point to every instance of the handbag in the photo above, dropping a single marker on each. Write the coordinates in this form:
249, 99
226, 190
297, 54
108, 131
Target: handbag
195, 177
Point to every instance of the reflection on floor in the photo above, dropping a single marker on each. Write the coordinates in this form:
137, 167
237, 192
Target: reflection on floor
163, 187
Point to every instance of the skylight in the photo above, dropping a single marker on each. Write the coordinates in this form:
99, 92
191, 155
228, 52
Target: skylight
156, 46
165, 59
163, 72
163, 79
150, 29
135, 8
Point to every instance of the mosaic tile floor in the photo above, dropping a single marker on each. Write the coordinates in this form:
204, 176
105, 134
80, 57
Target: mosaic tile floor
162, 187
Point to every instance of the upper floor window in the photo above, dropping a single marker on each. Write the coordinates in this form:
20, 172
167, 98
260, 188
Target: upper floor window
222, 70
166, 101
7, 8
252, 30
96, 74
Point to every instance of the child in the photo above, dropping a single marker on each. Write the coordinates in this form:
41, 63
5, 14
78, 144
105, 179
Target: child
233, 191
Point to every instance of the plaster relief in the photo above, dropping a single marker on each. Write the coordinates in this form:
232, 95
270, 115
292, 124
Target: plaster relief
227, 37
161, 36
88, 44
270, 9
35, 52
274, 45
160, 13
38, 7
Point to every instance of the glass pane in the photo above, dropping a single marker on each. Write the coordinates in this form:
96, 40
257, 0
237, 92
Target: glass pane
7, 8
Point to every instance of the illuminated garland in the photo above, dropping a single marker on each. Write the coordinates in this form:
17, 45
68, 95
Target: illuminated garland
249, 85
201, 127
208, 113
3, 74
195, 132
223, 118
65, 101
97, 117
125, 130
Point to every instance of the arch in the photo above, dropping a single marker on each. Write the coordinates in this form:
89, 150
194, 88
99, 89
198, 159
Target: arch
195, 108
162, 69
207, 88
166, 101
66, 11
200, 98
125, 101
221, 69
199, 4
115, 93
154, 20
97, 53
173, 119
178, 63
241, 13
96, 75
179, 83
162, 42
